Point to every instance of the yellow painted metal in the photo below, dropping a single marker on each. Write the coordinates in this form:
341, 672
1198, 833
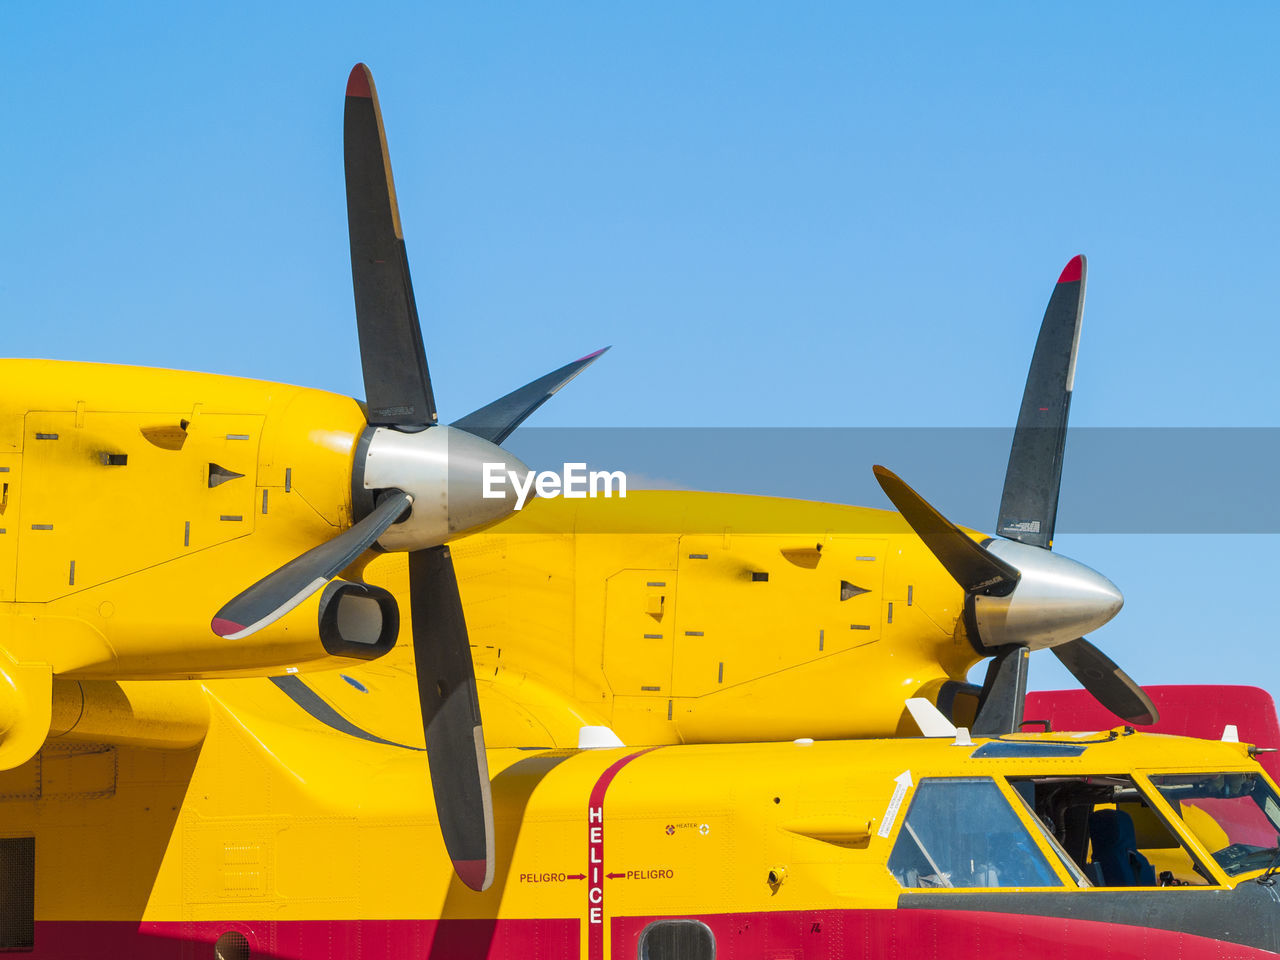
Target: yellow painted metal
276, 817
638, 635
671, 616
10, 480
150, 498
642, 616
26, 695
86, 520
699, 622
141, 713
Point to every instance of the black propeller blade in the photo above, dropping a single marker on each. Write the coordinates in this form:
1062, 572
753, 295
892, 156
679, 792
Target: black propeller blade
1054, 595
406, 458
398, 393
976, 570
1029, 504
396, 382
1004, 693
451, 716
280, 591
1110, 686
496, 421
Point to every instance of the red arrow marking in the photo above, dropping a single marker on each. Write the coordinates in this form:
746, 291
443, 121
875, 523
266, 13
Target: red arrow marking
575, 876
614, 876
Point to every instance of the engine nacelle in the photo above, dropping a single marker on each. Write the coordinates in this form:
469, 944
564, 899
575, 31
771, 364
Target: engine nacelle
344, 623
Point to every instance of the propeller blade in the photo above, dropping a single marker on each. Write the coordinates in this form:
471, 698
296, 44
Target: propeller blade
451, 716
396, 382
976, 569
1110, 686
496, 421
1004, 694
280, 591
1029, 504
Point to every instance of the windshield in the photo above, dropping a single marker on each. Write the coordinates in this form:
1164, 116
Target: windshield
1235, 815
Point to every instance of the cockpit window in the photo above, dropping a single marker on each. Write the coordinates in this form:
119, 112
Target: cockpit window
1111, 832
961, 832
1235, 815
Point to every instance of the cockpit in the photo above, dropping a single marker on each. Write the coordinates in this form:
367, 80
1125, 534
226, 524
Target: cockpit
1235, 816
1108, 830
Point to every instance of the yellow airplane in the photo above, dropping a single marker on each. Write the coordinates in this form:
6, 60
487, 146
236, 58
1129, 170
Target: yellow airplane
210, 732
269, 835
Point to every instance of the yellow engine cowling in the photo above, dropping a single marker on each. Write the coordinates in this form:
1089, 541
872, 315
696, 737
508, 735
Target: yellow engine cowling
135, 503
139, 501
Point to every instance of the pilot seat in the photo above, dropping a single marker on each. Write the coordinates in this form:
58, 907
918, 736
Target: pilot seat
1116, 861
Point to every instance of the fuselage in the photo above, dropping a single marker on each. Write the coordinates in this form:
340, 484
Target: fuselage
311, 842
196, 790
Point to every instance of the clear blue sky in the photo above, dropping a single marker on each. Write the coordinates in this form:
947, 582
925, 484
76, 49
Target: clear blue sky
781, 215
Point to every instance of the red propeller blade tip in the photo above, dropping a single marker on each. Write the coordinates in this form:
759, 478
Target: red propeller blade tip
225, 628
1071, 272
591, 356
472, 872
358, 82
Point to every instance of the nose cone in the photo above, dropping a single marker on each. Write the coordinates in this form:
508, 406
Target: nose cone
484, 482
458, 482
1056, 599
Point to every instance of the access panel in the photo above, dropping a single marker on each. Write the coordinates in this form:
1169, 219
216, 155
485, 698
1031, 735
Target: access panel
752, 605
639, 619
107, 494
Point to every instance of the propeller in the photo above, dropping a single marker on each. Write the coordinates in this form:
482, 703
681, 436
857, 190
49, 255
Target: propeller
1019, 596
280, 591
976, 569
495, 421
1110, 686
415, 484
1004, 693
451, 716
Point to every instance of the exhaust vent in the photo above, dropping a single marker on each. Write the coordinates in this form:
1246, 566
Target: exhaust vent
17, 893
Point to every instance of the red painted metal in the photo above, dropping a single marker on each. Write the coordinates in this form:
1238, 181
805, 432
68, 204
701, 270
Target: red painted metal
933, 935
1186, 710
1071, 272
358, 82
311, 940
811, 934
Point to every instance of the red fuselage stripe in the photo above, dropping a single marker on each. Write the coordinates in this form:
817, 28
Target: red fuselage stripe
595, 856
883, 934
